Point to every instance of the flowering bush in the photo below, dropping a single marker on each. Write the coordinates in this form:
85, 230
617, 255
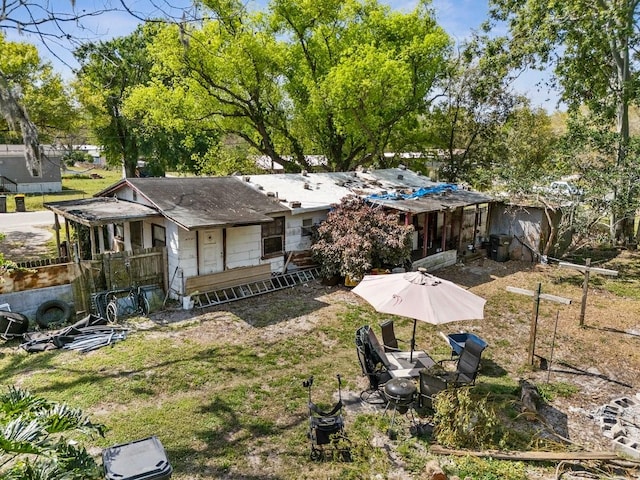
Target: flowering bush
357, 237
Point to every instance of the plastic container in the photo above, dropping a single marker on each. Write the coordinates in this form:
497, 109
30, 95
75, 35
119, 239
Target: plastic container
500, 247
458, 340
20, 205
140, 460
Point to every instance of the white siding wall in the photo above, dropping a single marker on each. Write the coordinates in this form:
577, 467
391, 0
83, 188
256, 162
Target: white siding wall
126, 193
244, 246
187, 252
40, 187
293, 234
177, 285
294, 241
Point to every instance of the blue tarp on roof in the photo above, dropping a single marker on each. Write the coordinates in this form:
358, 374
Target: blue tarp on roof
421, 192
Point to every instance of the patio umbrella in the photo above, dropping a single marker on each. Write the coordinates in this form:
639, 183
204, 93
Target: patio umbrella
420, 296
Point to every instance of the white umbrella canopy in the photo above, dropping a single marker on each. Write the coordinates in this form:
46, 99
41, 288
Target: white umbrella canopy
421, 296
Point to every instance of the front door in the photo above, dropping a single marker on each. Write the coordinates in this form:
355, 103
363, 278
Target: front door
209, 251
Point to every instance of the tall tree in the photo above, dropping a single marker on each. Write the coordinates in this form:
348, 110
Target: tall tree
223, 76
591, 47
52, 24
48, 23
38, 90
108, 71
528, 142
357, 73
467, 119
330, 78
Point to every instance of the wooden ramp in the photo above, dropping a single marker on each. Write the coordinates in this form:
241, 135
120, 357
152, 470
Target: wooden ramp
251, 289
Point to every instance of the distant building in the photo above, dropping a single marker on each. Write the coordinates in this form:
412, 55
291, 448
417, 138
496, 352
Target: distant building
94, 151
15, 177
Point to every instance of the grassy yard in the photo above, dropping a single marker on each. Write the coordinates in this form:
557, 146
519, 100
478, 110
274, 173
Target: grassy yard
223, 390
78, 184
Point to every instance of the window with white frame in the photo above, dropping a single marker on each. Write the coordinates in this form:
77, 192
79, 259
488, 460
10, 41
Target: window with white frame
273, 238
159, 236
307, 227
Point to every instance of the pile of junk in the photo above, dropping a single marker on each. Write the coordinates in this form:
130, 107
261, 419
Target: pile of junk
89, 333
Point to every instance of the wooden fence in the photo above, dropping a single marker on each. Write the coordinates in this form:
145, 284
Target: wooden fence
105, 272
111, 271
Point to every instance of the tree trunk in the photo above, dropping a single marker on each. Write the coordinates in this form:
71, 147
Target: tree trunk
623, 213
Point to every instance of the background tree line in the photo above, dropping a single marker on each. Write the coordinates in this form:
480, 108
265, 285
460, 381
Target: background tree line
350, 81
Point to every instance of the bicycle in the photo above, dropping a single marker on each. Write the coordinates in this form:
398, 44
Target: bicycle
134, 303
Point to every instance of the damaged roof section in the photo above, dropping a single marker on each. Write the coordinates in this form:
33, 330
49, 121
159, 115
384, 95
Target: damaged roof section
101, 211
386, 187
203, 202
215, 202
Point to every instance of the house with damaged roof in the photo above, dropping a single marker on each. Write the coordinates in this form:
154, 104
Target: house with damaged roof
243, 227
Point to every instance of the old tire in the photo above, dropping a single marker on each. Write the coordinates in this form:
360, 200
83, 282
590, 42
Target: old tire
13, 324
53, 313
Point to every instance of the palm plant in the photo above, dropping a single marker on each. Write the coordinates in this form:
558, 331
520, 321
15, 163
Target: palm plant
33, 445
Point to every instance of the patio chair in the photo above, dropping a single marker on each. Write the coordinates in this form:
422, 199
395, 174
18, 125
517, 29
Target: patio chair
429, 386
373, 367
389, 340
433, 381
467, 364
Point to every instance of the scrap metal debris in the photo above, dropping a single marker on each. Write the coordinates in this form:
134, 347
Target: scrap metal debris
90, 333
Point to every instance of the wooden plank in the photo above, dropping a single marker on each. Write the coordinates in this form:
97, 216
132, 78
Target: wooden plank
543, 296
584, 268
530, 456
228, 278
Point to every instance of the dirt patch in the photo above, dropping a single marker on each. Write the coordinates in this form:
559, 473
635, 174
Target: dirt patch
25, 243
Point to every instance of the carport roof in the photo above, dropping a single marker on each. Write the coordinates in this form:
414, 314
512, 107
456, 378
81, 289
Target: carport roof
201, 202
101, 211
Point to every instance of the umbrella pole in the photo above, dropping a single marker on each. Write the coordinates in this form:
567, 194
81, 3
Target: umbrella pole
413, 341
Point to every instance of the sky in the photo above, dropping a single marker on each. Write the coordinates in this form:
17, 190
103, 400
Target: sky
458, 18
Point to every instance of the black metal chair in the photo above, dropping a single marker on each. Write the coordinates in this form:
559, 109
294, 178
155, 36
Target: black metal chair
433, 381
373, 367
429, 386
389, 339
467, 365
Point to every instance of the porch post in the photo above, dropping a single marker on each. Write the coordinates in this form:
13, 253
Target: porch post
56, 227
101, 238
425, 235
92, 240
224, 249
444, 230
127, 237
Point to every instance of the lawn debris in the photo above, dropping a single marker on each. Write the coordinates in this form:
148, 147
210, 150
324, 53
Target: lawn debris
90, 333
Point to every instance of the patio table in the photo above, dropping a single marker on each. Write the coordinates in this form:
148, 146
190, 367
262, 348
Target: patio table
406, 369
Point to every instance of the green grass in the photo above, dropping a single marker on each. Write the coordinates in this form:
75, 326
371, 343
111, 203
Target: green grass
225, 395
73, 187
